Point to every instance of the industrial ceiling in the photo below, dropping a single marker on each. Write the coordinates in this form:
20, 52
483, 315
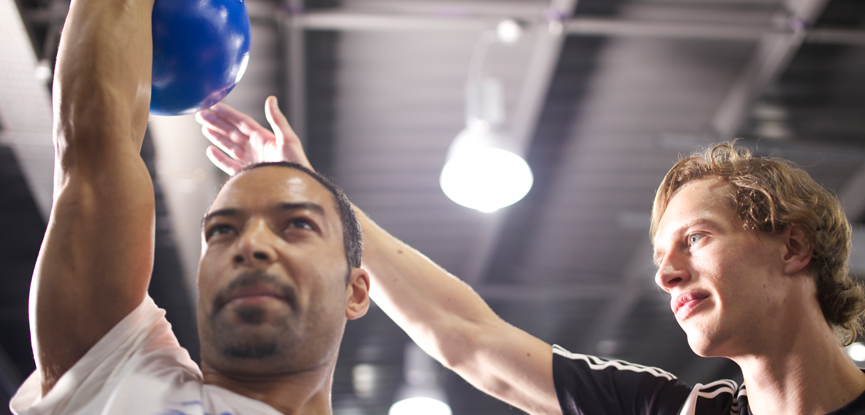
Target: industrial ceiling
603, 95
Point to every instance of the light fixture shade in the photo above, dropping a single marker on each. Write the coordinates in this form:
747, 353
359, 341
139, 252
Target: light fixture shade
481, 174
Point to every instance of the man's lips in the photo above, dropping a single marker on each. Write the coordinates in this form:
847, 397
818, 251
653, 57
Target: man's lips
255, 292
254, 288
684, 303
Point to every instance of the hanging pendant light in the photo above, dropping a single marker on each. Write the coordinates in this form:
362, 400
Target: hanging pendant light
481, 173
484, 169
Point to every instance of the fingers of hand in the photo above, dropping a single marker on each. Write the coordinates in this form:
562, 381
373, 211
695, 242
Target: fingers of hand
277, 121
224, 142
221, 160
223, 127
212, 120
237, 119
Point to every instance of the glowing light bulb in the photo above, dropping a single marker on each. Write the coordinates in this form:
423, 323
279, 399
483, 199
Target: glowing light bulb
486, 178
420, 406
508, 31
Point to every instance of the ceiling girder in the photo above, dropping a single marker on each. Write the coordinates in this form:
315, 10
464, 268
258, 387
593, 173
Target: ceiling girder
773, 54
347, 20
294, 68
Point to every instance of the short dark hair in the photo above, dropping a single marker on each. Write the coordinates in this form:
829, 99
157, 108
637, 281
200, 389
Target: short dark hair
351, 234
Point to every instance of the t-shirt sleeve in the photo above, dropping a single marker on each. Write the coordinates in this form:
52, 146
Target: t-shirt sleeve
145, 330
592, 385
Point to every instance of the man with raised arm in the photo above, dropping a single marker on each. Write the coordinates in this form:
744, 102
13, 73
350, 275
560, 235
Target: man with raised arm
278, 277
753, 252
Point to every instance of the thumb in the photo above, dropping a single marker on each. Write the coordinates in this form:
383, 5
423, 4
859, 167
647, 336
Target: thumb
278, 122
287, 142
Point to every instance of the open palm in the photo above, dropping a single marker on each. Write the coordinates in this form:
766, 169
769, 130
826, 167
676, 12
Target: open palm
239, 140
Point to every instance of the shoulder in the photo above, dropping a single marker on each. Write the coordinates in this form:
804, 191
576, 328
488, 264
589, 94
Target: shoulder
590, 384
719, 397
138, 355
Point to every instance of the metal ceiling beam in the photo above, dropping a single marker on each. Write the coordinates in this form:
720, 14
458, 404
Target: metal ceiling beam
773, 54
294, 67
341, 20
454, 8
347, 20
675, 30
836, 36
705, 31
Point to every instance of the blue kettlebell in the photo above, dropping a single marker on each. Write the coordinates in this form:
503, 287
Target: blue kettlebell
200, 51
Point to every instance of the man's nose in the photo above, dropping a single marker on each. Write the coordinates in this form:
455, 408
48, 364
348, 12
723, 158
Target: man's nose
671, 271
255, 245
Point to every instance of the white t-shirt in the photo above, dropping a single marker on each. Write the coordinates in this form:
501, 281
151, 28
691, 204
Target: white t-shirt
137, 368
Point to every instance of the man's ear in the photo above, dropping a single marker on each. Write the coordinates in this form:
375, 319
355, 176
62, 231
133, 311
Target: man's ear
357, 294
797, 249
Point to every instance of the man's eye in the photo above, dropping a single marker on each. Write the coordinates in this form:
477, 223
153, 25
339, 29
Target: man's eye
300, 223
694, 238
217, 230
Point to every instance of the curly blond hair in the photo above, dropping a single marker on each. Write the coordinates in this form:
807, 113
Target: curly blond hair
771, 194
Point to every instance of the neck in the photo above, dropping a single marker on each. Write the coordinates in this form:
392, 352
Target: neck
806, 371
299, 393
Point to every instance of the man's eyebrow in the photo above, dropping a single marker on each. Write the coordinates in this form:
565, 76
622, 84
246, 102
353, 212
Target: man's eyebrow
220, 212
281, 206
302, 205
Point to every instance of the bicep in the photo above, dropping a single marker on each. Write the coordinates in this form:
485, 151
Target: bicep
95, 262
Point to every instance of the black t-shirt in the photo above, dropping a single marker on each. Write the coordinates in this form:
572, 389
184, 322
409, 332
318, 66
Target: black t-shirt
589, 385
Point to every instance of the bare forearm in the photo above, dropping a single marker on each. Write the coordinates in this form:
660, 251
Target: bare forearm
102, 83
425, 300
453, 324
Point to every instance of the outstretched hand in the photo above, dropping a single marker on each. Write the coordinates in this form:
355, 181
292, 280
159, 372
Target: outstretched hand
239, 140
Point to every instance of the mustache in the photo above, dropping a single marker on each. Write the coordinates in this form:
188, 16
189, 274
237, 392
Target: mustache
250, 279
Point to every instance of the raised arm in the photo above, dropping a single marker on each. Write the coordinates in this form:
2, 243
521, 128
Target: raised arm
442, 314
95, 262
449, 321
